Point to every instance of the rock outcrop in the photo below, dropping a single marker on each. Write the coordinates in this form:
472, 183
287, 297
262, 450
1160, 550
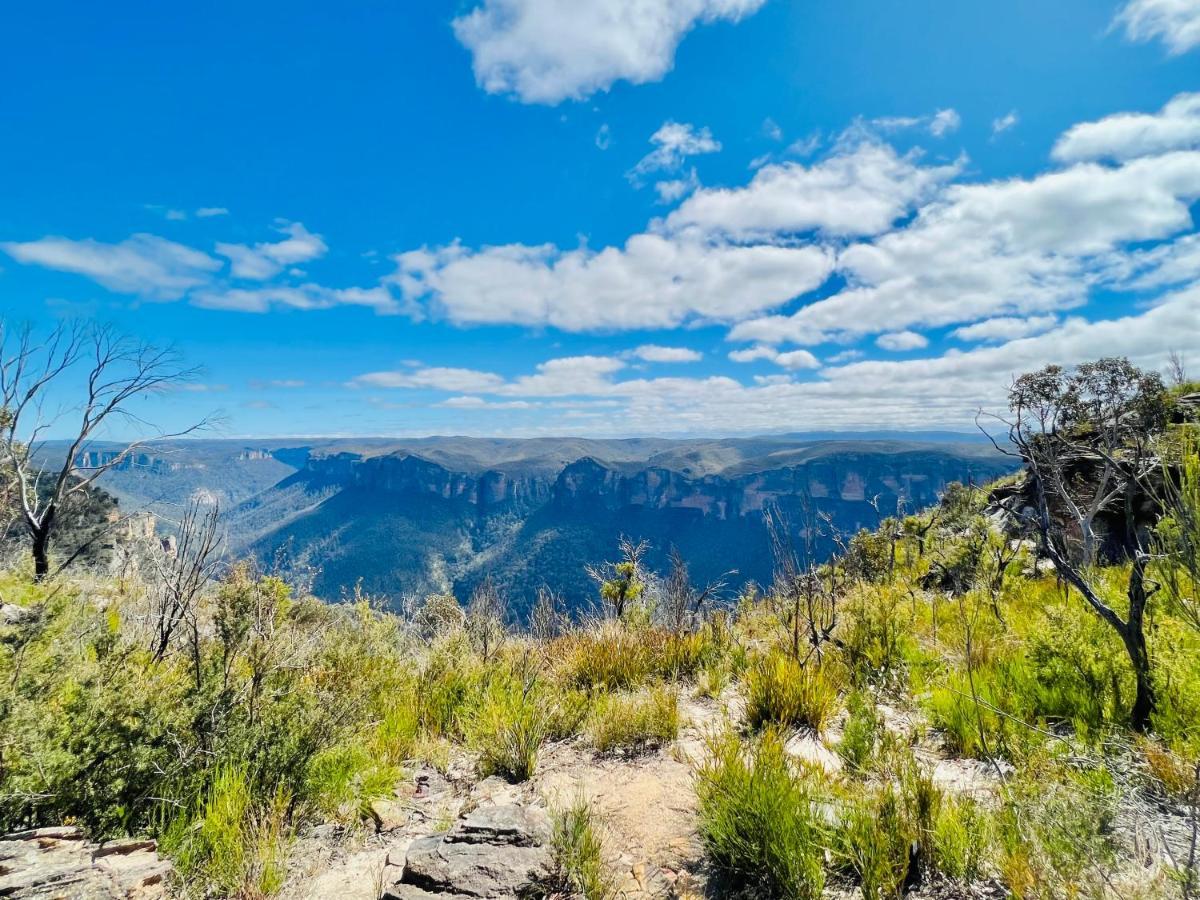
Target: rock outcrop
494, 852
62, 864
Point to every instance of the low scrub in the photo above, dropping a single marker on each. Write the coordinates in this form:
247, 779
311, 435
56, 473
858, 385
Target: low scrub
760, 820
230, 845
508, 724
579, 853
781, 691
632, 723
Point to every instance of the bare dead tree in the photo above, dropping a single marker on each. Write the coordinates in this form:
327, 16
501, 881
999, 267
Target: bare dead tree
182, 576
487, 611
682, 602
1103, 415
1176, 368
112, 371
548, 618
811, 601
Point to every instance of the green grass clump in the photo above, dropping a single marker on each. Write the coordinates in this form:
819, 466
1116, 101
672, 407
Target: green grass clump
578, 853
343, 781
861, 732
961, 839
781, 691
875, 841
508, 724
231, 845
633, 723
760, 820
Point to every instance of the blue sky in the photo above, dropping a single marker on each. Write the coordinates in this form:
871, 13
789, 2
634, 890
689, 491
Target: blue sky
619, 217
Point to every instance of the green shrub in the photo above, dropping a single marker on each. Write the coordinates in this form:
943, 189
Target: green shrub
508, 724
231, 845
635, 722
861, 732
877, 632
781, 691
760, 821
961, 836
874, 841
342, 782
578, 853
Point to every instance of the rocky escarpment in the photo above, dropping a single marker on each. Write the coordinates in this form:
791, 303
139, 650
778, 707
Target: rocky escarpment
411, 475
589, 484
853, 478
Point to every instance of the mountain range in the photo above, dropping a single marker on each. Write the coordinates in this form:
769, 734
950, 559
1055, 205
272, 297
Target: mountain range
410, 517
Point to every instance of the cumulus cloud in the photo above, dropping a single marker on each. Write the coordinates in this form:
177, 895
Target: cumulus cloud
653, 281
1175, 22
676, 188
673, 143
902, 340
143, 264
1013, 247
547, 51
660, 354
266, 260
791, 359
1128, 135
861, 191
1005, 328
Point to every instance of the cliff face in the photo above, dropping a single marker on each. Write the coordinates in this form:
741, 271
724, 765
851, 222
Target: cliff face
413, 476
589, 485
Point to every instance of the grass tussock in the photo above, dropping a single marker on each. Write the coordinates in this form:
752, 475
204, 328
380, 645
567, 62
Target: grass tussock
634, 723
761, 821
781, 691
579, 853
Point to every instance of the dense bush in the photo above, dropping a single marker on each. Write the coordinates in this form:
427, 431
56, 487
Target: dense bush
761, 821
784, 692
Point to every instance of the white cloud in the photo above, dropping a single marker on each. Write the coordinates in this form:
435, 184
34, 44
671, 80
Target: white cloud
792, 359
677, 188
143, 264
1013, 247
604, 137
208, 212
946, 389
1175, 22
653, 281
673, 143
940, 124
902, 340
750, 354
1004, 123
660, 354
797, 359
860, 191
472, 402
944, 122
302, 297
1005, 328
1128, 135
266, 260
772, 130
805, 146
438, 378
547, 51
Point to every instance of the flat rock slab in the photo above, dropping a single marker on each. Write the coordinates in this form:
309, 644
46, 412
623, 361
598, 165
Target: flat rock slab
494, 852
62, 864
